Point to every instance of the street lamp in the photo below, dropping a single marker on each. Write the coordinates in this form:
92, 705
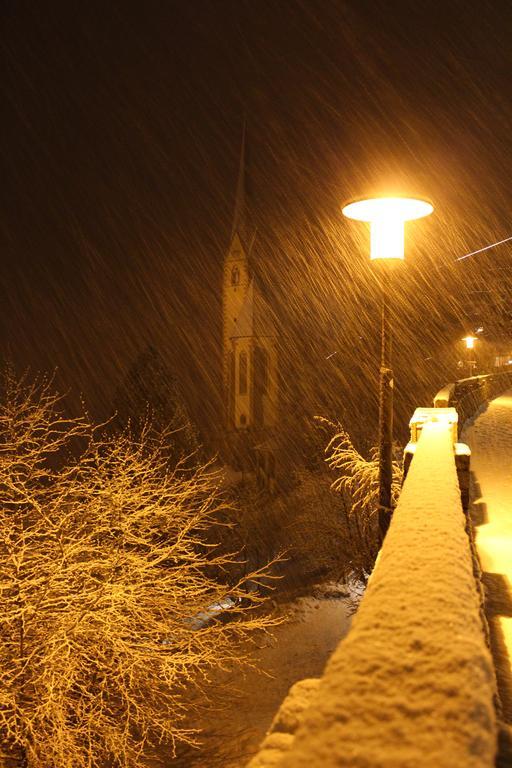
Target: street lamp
470, 345
386, 216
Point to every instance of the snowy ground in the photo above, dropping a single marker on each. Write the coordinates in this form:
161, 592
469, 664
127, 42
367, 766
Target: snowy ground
490, 440
299, 649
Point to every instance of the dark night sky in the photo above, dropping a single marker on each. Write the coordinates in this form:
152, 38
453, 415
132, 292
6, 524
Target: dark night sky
119, 160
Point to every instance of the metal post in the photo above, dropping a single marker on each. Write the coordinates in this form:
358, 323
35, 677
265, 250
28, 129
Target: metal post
385, 407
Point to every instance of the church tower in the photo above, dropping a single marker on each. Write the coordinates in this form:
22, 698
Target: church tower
249, 335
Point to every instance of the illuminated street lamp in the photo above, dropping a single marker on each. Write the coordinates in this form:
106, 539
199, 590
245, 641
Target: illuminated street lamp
470, 345
386, 216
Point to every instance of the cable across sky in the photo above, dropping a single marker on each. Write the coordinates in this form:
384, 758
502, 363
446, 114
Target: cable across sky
486, 248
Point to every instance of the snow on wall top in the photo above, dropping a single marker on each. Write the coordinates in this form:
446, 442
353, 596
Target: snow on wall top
412, 684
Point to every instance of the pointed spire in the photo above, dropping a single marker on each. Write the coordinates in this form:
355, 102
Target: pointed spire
241, 223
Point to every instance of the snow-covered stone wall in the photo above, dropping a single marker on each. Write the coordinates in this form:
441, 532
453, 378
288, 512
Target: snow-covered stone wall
468, 395
412, 684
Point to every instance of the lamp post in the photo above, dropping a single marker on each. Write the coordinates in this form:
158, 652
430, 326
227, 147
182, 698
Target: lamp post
470, 345
386, 216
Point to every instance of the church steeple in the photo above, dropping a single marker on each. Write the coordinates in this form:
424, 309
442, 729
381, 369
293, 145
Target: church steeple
249, 336
242, 224
236, 272
239, 212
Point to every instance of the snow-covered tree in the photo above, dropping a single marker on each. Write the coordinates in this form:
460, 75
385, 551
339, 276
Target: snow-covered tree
151, 392
105, 576
358, 481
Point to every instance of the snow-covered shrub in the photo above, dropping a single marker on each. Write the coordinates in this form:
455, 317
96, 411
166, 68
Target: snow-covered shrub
104, 565
358, 482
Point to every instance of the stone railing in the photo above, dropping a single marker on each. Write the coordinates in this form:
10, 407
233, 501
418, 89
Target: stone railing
413, 682
468, 395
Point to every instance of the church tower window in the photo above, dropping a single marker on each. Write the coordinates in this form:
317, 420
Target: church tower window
242, 373
235, 276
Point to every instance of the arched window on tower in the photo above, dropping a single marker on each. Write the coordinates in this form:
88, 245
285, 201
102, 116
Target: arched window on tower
235, 276
242, 373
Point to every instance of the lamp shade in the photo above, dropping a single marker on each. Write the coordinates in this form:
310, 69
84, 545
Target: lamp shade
386, 216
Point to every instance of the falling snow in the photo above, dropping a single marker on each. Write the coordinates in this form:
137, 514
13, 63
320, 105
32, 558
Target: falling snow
119, 170
121, 141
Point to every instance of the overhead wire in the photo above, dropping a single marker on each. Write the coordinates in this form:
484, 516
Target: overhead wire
486, 248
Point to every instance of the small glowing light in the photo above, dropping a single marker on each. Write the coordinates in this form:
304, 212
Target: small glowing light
479, 330
470, 341
387, 216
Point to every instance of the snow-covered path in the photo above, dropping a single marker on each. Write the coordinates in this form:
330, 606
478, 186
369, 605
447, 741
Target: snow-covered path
490, 439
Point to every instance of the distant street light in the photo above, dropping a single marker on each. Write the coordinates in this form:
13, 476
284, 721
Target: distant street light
386, 216
470, 345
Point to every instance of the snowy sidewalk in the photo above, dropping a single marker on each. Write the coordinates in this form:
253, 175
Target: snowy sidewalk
490, 440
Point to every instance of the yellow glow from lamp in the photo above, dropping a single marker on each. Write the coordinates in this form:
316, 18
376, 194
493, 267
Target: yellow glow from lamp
470, 341
386, 216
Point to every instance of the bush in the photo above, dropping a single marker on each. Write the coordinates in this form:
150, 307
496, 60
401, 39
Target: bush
358, 483
103, 567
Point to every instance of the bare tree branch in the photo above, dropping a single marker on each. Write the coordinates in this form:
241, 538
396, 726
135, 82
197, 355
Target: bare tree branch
104, 564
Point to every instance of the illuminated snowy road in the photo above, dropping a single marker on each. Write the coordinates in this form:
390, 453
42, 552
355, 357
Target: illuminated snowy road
490, 439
